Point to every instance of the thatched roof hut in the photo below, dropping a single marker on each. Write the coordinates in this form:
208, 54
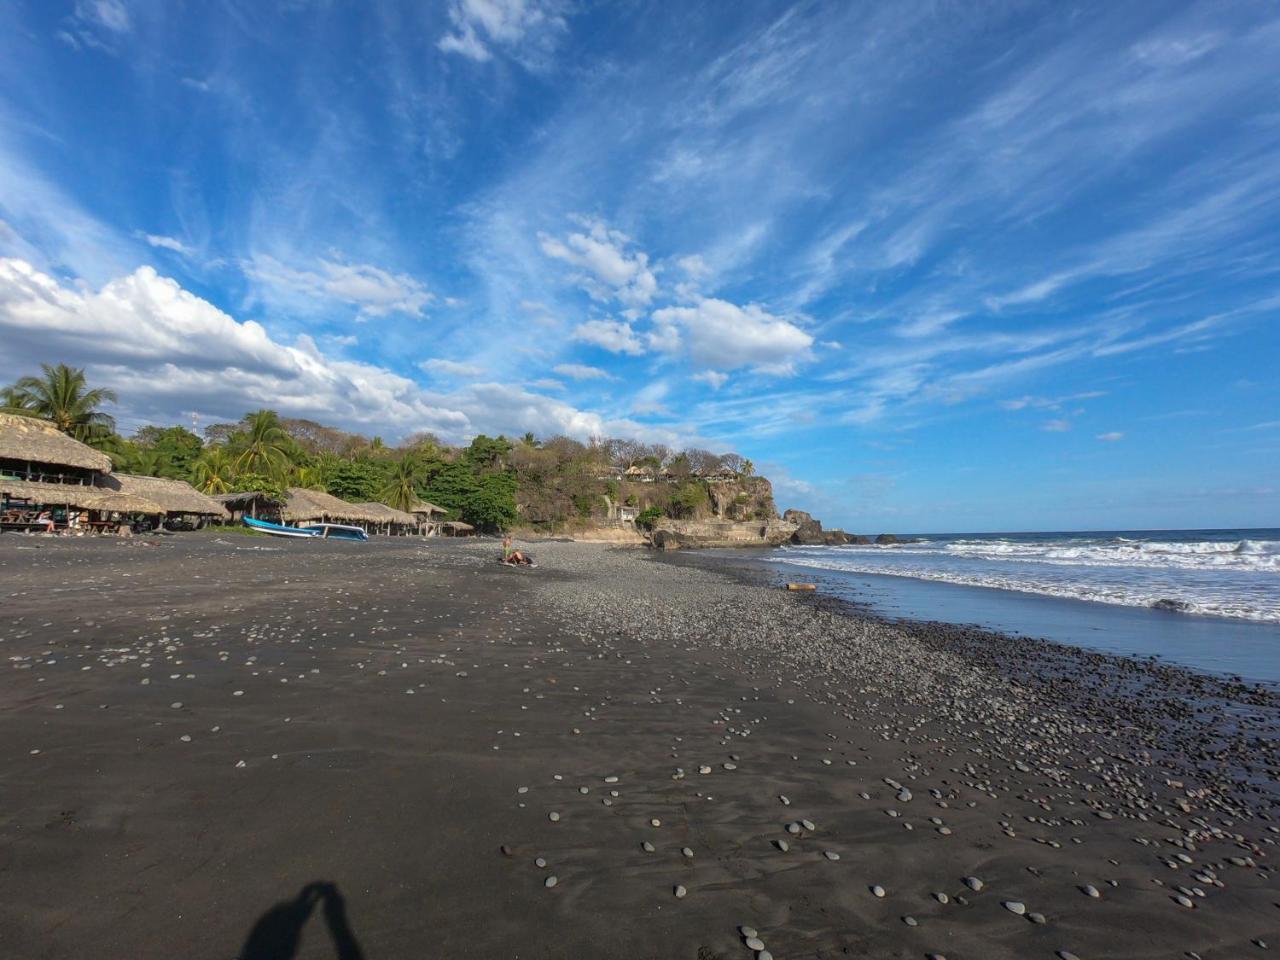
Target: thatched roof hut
388, 514
310, 506
176, 496
456, 528
50, 494
124, 503
425, 509
28, 440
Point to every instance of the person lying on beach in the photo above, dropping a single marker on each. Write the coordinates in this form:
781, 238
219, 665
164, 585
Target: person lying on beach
513, 556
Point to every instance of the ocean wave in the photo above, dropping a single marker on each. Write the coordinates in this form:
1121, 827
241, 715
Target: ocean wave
1224, 600
1245, 555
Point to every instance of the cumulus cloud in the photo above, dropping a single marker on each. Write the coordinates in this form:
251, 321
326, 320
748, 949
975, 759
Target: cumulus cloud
615, 336
375, 292
451, 368
713, 378
582, 371
168, 352
724, 336
607, 268
526, 29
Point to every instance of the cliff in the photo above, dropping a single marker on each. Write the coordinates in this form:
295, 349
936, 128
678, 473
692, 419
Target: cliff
682, 534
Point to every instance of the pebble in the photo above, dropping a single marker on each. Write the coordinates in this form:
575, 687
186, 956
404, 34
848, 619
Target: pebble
551, 881
687, 852
1014, 906
941, 897
973, 883
647, 847
748, 932
831, 854
1066, 955
1089, 890
782, 845
911, 921
754, 943
540, 863
553, 817
655, 822
879, 891
680, 891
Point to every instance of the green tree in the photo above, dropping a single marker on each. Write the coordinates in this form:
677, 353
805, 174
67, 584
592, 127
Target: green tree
214, 472
263, 446
450, 485
688, 498
176, 448
489, 453
258, 483
492, 505
62, 397
356, 481
400, 488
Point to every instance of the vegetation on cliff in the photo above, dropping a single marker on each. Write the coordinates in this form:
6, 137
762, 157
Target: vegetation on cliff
494, 482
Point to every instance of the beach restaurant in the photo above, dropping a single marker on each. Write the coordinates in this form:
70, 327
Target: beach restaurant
44, 470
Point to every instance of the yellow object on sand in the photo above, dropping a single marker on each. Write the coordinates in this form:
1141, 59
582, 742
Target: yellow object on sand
802, 586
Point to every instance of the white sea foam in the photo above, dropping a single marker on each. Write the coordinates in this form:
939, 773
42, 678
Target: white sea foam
1227, 578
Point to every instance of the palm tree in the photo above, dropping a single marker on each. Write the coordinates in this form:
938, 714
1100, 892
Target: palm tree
309, 478
60, 397
214, 471
264, 445
400, 490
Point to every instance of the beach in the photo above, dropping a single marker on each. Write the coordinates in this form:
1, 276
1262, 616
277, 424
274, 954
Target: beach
218, 745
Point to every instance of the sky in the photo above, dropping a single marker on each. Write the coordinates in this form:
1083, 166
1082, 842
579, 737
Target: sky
931, 266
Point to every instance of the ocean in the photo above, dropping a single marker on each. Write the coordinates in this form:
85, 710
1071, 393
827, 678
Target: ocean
1209, 599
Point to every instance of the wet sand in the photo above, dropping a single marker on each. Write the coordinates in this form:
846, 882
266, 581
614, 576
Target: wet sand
237, 747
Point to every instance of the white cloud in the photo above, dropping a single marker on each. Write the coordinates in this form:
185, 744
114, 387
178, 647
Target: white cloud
526, 29
615, 336
167, 243
722, 335
373, 291
713, 378
451, 368
168, 352
105, 13
582, 371
1057, 426
649, 399
608, 268
1111, 437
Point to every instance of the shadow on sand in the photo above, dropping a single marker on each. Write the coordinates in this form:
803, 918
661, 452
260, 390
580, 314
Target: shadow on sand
278, 933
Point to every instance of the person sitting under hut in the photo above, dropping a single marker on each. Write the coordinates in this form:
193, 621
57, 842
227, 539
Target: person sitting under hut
513, 556
46, 518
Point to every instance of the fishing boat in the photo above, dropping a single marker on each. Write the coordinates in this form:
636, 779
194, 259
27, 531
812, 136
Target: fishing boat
335, 531
279, 530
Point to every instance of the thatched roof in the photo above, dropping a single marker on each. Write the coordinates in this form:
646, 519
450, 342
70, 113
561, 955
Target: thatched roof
176, 496
51, 494
457, 526
242, 499
305, 505
426, 507
123, 503
390, 514
26, 438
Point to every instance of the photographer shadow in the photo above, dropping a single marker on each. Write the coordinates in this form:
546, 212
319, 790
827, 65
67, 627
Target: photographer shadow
277, 935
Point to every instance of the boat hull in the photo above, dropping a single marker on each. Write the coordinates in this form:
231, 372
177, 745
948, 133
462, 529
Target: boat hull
276, 530
336, 531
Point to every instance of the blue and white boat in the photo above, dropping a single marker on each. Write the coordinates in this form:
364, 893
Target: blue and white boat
279, 530
336, 531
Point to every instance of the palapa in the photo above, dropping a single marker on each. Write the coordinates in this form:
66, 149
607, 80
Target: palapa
40, 442
388, 514
310, 506
51, 494
176, 496
123, 503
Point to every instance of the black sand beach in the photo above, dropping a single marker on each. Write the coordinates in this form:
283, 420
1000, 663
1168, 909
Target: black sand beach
237, 747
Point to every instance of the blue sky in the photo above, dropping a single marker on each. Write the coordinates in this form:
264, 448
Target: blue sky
932, 266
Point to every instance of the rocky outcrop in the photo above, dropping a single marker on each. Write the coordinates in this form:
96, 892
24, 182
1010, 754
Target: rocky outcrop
742, 498
685, 534
809, 533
